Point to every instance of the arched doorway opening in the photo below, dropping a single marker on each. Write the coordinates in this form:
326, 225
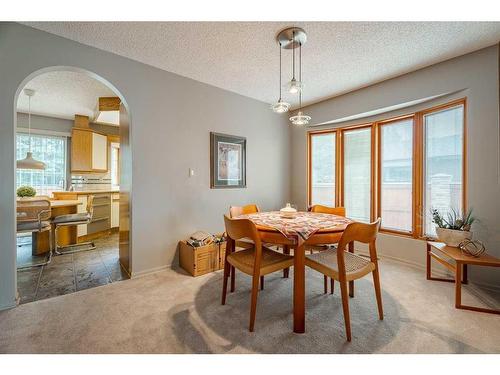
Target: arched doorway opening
74, 184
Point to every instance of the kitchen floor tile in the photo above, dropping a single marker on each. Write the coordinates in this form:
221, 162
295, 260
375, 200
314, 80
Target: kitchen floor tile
69, 273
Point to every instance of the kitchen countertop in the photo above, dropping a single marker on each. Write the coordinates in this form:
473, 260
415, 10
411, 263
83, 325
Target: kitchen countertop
64, 203
84, 192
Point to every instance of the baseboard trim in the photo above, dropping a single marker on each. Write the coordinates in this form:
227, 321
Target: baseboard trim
8, 307
435, 271
149, 271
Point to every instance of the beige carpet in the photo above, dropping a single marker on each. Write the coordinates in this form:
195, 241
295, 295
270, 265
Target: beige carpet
170, 312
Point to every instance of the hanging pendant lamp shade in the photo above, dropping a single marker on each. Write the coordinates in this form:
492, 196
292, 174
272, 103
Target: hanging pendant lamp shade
29, 162
300, 118
280, 106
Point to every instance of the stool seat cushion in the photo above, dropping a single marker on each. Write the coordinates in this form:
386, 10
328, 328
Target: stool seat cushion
71, 218
32, 225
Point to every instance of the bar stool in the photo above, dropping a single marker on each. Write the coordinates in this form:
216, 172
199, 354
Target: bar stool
74, 219
33, 216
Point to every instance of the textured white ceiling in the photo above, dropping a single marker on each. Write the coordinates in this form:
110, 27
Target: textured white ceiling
62, 94
243, 56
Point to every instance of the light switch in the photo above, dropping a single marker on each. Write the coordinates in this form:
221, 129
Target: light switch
191, 172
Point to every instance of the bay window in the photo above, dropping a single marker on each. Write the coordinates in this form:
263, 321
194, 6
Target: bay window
397, 169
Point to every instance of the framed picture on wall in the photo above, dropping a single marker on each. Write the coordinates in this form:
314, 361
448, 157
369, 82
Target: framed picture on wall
227, 161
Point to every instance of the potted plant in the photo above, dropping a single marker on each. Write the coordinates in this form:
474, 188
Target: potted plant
25, 192
453, 228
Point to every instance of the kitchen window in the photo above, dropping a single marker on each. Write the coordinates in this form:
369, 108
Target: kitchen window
52, 150
397, 169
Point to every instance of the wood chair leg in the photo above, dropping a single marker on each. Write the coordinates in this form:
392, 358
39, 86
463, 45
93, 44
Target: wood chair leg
351, 283
253, 302
233, 278
262, 283
332, 284
378, 294
224, 281
345, 307
325, 283
286, 251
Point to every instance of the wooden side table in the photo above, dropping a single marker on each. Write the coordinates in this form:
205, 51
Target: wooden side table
459, 267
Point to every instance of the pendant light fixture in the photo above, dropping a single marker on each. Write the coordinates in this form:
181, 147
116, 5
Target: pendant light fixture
294, 86
280, 106
292, 38
300, 118
29, 162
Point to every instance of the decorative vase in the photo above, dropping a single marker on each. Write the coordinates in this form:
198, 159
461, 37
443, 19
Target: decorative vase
452, 237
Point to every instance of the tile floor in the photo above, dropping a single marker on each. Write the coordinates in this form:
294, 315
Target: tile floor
69, 273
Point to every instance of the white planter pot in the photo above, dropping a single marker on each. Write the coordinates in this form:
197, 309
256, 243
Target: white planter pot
452, 237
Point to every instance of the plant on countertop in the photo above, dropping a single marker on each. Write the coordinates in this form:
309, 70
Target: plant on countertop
25, 191
454, 220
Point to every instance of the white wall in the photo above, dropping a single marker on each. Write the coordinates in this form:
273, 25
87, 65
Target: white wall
474, 76
171, 117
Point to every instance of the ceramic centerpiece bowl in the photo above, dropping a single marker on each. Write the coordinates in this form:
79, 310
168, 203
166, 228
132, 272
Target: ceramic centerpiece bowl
288, 212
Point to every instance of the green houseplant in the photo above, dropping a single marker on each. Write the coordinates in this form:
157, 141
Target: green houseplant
454, 227
25, 192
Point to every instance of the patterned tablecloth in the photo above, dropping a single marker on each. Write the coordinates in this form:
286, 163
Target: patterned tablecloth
300, 227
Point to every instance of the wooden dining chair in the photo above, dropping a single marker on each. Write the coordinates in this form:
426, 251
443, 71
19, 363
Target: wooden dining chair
345, 267
256, 261
339, 211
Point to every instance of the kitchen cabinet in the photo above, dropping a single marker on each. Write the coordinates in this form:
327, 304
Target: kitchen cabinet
115, 210
89, 151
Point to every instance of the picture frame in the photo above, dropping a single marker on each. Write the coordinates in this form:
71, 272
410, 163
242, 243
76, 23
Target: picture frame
227, 161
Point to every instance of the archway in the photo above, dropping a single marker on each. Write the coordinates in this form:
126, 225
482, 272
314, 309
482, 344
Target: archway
125, 160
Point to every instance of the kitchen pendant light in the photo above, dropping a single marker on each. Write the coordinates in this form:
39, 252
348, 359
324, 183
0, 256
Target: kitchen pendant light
280, 106
29, 162
300, 118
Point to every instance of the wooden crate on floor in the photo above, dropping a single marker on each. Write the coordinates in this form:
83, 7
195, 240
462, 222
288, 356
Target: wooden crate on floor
201, 260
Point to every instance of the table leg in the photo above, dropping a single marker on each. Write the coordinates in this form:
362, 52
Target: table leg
299, 289
465, 280
428, 262
286, 250
458, 285
351, 283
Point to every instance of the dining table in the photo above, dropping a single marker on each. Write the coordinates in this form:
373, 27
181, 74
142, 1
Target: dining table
295, 232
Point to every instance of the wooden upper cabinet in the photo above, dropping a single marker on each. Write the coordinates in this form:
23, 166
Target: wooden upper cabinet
89, 151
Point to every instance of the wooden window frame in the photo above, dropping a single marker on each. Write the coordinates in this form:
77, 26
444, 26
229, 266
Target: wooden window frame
370, 126
310, 135
418, 162
439, 108
379, 125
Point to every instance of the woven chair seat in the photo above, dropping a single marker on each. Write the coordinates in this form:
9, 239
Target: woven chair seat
271, 261
319, 247
71, 218
326, 263
32, 226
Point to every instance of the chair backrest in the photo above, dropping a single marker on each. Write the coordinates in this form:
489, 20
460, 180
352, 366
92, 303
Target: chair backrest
361, 232
243, 210
90, 206
33, 209
339, 211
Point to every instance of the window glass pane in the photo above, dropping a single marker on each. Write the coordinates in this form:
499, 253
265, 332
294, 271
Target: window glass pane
52, 151
443, 163
357, 172
323, 169
396, 175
